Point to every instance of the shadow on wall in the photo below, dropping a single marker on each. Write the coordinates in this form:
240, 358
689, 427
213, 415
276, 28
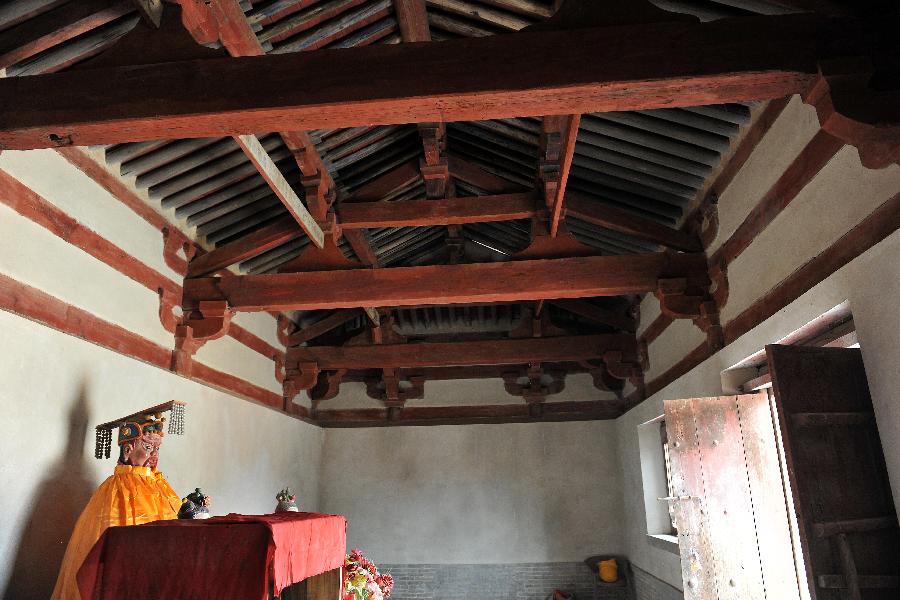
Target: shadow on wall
55, 507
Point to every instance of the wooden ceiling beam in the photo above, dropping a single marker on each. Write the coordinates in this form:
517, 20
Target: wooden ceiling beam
448, 211
470, 173
464, 415
451, 284
361, 247
469, 353
604, 69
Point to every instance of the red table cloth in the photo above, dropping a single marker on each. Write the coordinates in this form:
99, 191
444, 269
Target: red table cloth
221, 558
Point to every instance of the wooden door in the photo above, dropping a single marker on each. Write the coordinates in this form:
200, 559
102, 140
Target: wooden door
835, 466
733, 527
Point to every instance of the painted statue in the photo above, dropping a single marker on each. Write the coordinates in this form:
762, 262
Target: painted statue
195, 505
136, 493
287, 502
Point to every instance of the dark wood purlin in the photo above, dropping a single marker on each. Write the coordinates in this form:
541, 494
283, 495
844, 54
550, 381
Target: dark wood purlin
463, 415
472, 353
835, 466
452, 284
675, 64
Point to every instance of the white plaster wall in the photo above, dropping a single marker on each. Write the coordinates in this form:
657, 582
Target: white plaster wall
57, 387
536, 492
37, 257
837, 199
869, 283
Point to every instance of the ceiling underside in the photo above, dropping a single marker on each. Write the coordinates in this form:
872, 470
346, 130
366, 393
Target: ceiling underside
654, 164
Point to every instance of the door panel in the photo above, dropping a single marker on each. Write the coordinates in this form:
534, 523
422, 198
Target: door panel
835, 466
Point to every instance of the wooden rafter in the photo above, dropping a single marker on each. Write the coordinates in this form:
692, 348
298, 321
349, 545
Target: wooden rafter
557, 147
239, 39
261, 240
413, 20
461, 354
266, 166
604, 69
592, 312
332, 321
452, 284
625, 222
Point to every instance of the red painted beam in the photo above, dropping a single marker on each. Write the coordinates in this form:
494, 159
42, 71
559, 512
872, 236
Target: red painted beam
465, 415
603, 69
449, 211
394, 179
450, 284
470, 353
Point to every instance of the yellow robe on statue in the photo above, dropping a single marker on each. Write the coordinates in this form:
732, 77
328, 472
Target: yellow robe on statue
130, 496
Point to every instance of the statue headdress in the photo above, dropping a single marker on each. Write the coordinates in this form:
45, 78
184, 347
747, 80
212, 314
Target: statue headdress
132, 427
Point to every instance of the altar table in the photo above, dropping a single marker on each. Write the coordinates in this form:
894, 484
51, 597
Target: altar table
232, 557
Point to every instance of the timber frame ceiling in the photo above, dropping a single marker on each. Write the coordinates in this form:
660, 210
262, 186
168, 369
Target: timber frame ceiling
618, 202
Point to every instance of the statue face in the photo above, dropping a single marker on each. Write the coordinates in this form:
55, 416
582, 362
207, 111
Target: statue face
144, 451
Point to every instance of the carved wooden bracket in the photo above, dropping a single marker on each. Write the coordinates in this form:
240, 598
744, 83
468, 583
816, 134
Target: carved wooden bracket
280, 370
718, 275
209, 321
708, 322
534, 391
563, 245
436, 177
621, 369
284, 328
390, 392
327, 258
168, 301
704, 222
852, 111
326, 388
173, 242
303, 376
434, 167
676, 300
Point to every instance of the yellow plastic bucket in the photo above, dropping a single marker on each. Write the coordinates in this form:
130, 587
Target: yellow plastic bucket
609, 570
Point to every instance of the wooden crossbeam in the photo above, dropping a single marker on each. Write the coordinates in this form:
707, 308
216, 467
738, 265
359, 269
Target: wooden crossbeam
470, 353
474, 175
450, 284
449, 211
457, 415
625, 222
603, 69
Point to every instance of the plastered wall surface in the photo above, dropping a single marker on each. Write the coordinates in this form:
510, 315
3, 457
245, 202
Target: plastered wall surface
514, 493
838, 198
31, 254
57, 387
